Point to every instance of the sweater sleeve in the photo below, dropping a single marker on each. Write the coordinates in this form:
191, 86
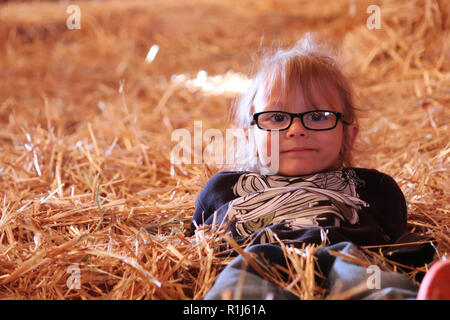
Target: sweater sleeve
203, 204
217, 191
387, 203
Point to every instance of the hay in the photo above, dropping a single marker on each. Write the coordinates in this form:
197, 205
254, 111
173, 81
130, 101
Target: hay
86, 184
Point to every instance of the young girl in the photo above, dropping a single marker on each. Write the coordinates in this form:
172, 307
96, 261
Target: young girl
301, 101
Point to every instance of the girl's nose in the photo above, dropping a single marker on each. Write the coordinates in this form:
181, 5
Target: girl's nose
297, 129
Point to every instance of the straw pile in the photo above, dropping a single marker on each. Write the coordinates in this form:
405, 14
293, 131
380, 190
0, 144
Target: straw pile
91, 207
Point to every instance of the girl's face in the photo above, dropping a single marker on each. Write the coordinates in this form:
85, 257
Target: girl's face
315, 151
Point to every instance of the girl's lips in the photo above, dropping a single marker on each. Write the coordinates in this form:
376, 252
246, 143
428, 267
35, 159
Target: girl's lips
298, 149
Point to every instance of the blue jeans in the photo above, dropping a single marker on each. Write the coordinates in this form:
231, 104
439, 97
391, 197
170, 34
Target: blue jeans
341, 275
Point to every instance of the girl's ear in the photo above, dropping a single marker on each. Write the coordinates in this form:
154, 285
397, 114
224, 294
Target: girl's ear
351, 133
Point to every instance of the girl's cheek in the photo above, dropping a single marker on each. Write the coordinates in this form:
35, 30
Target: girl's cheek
335, 145
263, 146
275, 139
260, 142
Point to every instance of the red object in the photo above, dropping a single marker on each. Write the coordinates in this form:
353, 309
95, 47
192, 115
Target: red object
436, 283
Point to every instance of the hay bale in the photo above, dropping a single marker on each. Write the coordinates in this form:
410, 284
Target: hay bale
86, 184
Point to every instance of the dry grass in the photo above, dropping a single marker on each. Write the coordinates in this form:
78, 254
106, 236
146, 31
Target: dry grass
85, 173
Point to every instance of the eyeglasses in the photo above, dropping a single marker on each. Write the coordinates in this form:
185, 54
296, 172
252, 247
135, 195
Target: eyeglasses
317, 120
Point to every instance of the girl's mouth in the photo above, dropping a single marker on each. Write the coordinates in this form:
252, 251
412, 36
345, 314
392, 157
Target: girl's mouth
298, 150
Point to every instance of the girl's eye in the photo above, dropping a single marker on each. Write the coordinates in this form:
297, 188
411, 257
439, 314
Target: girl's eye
278, 117
318, 116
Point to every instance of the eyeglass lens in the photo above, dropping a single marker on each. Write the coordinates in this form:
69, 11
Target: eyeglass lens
315, 120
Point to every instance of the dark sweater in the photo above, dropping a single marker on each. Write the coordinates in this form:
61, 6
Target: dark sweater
374, 212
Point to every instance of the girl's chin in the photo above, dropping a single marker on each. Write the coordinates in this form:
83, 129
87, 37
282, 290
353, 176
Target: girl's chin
299, 166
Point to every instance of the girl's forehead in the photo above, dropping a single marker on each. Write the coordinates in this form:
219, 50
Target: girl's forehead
316, 94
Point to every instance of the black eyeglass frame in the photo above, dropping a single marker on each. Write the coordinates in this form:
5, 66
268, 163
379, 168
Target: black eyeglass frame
300, 115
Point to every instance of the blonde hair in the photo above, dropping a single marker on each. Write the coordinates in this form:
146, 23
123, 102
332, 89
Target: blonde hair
304, 64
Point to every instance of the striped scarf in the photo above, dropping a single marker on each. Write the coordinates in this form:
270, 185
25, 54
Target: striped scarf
297, 202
